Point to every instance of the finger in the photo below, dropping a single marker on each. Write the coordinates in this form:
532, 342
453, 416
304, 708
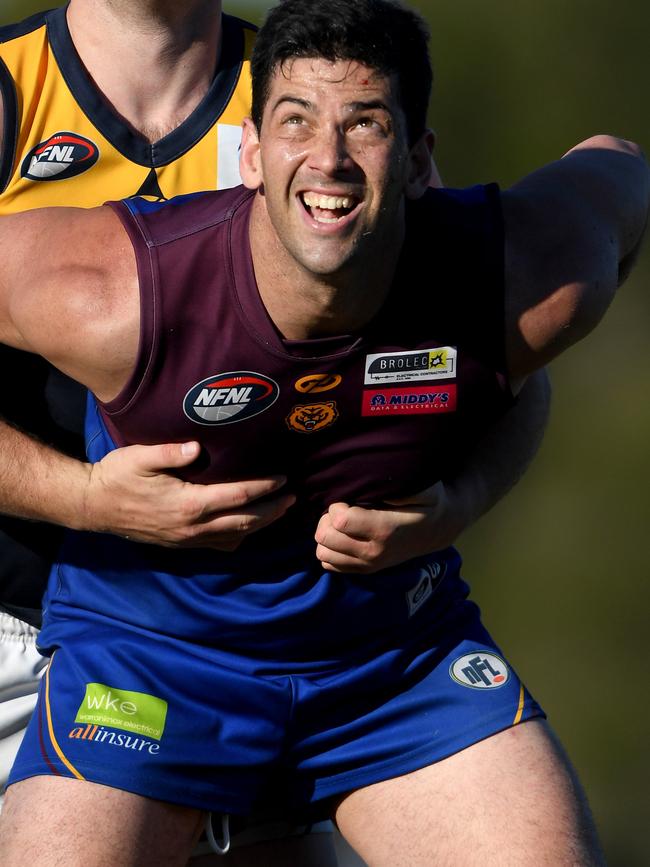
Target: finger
332, 561
232, 496
151, 460
368, 525
236, 525
331, 539
353, 521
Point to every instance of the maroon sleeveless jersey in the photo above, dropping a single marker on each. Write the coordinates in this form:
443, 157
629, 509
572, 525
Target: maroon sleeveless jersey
360, 418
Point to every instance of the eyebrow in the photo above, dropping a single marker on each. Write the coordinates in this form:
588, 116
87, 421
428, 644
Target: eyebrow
294, 100
367, 106
357, 105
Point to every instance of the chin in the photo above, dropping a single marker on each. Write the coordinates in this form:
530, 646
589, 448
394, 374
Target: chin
324, 262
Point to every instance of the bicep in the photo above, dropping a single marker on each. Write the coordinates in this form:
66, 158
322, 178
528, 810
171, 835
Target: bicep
74, 304
20, 269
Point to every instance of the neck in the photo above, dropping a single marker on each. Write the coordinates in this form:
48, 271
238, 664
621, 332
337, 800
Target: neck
305, 305
153, 60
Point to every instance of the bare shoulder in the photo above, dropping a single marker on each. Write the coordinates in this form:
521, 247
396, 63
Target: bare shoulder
68, 255
69, 291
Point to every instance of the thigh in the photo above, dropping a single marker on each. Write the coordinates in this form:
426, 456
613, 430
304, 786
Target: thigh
56, 820
511, 800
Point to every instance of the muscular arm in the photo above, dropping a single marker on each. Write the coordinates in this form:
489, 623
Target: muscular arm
572, 231
354, 539
128, 492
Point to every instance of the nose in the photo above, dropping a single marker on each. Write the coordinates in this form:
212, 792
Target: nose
330, 153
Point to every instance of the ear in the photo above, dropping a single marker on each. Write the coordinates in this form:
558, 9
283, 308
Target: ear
422, 171
250, 164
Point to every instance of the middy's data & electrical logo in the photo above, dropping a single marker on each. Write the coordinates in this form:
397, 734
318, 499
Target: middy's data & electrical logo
422, 399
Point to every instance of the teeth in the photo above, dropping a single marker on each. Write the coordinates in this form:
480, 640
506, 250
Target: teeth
327, 203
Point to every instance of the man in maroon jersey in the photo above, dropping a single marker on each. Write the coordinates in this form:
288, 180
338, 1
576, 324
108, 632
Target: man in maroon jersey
127, 493
333, 163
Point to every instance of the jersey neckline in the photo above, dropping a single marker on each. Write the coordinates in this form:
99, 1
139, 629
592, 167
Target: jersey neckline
127, 141
253, 312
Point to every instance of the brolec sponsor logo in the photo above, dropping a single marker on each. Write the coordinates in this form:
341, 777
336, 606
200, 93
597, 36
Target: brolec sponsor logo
142, 715
431, 399
63, 155
435, 363
229, 397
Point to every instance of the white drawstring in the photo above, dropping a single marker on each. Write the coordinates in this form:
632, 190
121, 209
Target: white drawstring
222, 847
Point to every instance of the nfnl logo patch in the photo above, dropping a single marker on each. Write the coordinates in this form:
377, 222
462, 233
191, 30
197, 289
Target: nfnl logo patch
229, 397
438, 363
480, 670
409, 401
63, 155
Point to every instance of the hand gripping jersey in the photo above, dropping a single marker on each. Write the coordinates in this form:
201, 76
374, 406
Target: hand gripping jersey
64, 145
379, 414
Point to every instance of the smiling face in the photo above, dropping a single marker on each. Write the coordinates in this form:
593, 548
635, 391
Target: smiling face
332, 164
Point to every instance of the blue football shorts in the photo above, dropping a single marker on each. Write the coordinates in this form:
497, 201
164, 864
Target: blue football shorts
191, 723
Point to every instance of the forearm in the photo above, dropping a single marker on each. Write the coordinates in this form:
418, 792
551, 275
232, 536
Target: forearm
502, 456
39, 483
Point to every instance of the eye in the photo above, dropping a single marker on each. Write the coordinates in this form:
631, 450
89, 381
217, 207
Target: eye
369, 125
294, 126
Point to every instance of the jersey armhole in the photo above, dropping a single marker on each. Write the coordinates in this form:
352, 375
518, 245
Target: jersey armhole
10, 124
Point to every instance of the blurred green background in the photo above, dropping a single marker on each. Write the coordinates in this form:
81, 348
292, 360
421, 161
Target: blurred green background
562, 567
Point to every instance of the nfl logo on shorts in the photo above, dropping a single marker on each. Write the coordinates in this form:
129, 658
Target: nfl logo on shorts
479, 670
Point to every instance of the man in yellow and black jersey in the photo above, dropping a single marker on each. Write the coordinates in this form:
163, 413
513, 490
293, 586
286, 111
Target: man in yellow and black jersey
110, 99
66, 144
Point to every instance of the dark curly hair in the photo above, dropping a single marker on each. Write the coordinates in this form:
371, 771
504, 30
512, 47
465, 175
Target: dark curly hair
382, 34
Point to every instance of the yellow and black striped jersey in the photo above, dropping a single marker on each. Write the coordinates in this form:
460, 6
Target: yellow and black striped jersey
65, 145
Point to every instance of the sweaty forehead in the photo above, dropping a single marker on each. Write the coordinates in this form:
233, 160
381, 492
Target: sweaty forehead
319, 74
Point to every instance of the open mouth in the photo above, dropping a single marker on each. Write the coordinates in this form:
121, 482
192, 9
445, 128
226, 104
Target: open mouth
328, 209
